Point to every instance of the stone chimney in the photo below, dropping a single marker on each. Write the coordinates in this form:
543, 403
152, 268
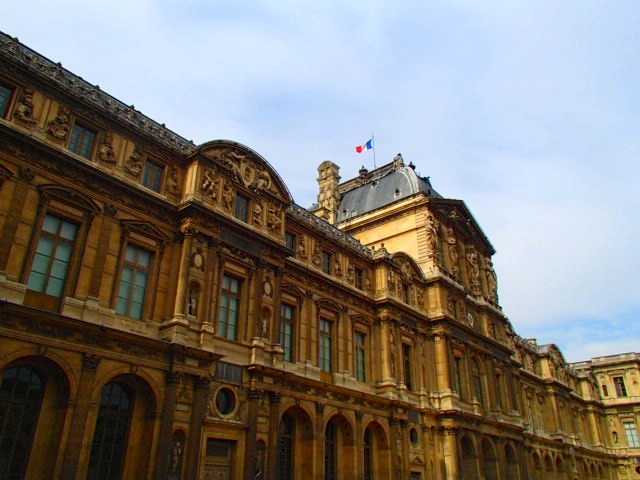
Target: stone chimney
328, 198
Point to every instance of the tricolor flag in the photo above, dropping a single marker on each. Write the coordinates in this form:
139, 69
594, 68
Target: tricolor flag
365, 147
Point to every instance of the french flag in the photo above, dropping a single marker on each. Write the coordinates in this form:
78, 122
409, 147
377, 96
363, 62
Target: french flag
365, 147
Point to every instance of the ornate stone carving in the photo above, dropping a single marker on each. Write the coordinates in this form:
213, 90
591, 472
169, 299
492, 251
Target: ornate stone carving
209, 183
453, 252
133, 164
24, 108
106, 152
432, 240
274, 221
59, 127
172, 181
257, 213
473, 270
492, 281
227, 196
316, 258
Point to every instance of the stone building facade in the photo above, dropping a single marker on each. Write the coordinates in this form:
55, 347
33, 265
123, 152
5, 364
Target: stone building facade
167, 311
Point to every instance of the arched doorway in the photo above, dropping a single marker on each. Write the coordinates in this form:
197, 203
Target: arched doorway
469, 459
295, 444
377, 461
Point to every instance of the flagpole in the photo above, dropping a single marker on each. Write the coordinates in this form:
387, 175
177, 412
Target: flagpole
373, 144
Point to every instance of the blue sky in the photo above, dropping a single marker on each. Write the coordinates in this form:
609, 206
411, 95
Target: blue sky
527, 110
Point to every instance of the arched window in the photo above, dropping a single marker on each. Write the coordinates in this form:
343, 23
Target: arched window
330, 452
112, 432
368, 459
286, 435
21, 394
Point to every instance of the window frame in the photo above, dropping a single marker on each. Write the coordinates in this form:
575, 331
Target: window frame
288, 347
360, 356
407, 366
11, 90
325, 344
326, 262
127, 264
619, 385
159, 175
241, 207
631, 433
227, 293
79, 147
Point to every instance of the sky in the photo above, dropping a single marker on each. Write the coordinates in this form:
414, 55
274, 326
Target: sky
527, 110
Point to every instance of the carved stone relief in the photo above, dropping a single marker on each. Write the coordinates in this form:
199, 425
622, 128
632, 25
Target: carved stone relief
106, 152
59, 127
133, 164
24, 108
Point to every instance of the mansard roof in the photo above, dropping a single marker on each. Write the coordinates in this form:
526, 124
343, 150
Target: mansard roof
380, 187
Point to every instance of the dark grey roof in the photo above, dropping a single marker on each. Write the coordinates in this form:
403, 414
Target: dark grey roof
382, 187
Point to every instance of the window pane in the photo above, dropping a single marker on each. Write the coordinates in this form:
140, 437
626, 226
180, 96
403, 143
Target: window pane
51, 224
5, 98
133, 282
152, 176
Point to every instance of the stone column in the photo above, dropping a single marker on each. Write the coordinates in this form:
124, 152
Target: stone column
166, 425
194, 440
253, 395
450, 453
274, 423
443, 369
182, 286
78, 428
359, 433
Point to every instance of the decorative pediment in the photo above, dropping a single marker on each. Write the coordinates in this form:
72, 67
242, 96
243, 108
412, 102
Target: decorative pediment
68, 196
456, 213
246, 168
144, 228
407, 265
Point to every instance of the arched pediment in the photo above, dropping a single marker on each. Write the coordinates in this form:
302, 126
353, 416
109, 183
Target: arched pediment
69, 196
144, 228
407, 265
246, 167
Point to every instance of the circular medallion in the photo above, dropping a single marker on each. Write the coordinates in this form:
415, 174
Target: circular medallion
470, 319
197, 260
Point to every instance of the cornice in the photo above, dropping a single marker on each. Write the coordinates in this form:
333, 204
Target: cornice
54, 74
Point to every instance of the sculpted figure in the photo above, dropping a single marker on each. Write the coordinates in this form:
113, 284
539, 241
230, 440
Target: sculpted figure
133, 164
227, 196
453, 252
59, 127
492, 281
432, 239
24, 109
209, 183
106, 152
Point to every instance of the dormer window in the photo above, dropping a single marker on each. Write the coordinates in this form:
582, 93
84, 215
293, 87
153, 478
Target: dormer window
241, 209
152, 175
82, 140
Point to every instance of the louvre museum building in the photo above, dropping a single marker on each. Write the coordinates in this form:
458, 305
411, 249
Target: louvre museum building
167, 311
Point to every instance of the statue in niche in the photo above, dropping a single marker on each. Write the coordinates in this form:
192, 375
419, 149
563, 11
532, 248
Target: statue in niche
351, 275
192, 301
367, 282
432, 239
391, 281
209, 183
175, 459
453, 252
133, 164
492, 281
265, 323
316, 258
172, 181
24, 108
59, 127
474, 269
337, 268
227, 197
106, 152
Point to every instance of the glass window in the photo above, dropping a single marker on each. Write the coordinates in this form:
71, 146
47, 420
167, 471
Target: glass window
21, 393
621, 390
152, 175
133, 282
290, 240
477, 382
241, 211
406, 360
229, 308
632, 434
326, 345
82, 140
326, 262
330, 452
359, 341
605, 391
359, 278
286, 434
5, 98
457, 375
52, 256
286, 331
111, 435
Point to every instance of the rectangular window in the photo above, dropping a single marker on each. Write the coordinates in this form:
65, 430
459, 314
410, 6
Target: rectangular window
290, 240
457, 375
406, 362
499, 391
286, 331
359, 340
52, 256
81, 141
359, 278
326, 345
632, 434
241, 210
5, 98
133, 282
326, 262
152, 175
229, 310
621, 390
